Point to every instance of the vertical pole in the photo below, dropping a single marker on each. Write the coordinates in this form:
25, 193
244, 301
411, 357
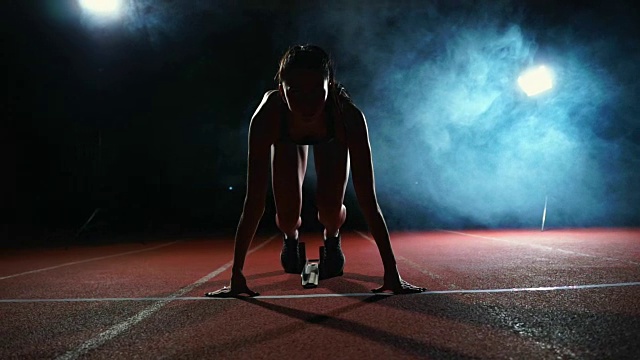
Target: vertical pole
544, 213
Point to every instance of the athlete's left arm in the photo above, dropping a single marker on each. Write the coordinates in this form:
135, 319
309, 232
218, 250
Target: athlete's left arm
361, 160
364, 182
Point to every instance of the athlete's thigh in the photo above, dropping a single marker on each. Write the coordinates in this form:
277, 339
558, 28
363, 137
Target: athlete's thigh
288, 166
332, 172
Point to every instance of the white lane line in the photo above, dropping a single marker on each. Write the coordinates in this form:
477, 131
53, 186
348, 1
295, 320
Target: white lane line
365, 236
543, 247
118, 329
412, 264
434, 276
175, 297
84, 261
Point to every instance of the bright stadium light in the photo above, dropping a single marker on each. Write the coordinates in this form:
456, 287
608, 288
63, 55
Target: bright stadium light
536, 81
102, 7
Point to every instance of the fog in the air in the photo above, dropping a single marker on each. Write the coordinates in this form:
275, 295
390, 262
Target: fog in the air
455, 141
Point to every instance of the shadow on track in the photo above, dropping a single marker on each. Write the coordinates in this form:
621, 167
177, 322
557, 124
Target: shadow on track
331, 321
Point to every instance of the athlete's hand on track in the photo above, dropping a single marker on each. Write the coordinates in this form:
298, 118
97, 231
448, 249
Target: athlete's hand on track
237, 287
394, 283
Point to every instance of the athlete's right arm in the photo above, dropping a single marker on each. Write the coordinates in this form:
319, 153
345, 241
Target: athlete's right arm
260, 140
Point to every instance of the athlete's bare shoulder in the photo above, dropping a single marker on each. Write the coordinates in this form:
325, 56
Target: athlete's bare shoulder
264, 119
269, 104
352, 115
357, 134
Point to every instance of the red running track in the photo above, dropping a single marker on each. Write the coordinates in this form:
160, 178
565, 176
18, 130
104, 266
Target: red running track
492, 294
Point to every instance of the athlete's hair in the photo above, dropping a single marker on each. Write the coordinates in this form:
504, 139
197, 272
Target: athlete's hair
311, 57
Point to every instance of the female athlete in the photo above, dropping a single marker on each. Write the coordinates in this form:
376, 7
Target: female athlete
309, 108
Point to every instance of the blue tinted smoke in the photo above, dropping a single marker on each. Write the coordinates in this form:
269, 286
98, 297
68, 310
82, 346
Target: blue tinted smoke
457, 143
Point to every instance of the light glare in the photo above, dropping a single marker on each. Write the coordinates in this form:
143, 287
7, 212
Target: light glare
536, 81
102, 7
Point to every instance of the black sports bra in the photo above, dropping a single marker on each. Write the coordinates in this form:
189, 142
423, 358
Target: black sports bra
309, 140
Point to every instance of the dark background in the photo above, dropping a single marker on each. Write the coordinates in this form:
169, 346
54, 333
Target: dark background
145, 117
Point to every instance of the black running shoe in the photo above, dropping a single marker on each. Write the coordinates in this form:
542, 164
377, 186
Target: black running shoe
290, 257
333, 257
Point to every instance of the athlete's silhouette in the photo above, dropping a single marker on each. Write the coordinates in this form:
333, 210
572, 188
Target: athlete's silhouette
309, 108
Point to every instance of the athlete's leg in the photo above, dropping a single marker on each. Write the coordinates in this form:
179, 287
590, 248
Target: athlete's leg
288, 166
332, 170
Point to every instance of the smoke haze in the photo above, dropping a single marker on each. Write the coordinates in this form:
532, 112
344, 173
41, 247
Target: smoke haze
456, 143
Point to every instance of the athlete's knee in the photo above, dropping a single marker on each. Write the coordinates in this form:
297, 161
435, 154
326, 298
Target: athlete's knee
288, 223
332, 214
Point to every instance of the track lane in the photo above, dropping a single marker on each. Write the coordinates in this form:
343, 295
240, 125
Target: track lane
42, 330
256, 327
483, 261
14, 263
124, 326
507, 324
618, 246
151, 273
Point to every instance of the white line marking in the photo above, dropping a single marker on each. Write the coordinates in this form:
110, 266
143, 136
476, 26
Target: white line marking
117, 329
412, 264
432, 275
86, 260
365, 236
543, 247
174, 297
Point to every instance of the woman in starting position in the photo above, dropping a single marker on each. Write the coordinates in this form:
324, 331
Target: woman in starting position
309, 108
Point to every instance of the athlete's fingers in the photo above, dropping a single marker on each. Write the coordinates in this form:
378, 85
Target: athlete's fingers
227, 292
380, 289
221, 293
406, 288
252, 293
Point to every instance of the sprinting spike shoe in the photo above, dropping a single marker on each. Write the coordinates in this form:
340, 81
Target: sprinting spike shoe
290, 258
333, 261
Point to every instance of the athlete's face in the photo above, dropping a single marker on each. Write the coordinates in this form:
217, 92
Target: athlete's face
305, 92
